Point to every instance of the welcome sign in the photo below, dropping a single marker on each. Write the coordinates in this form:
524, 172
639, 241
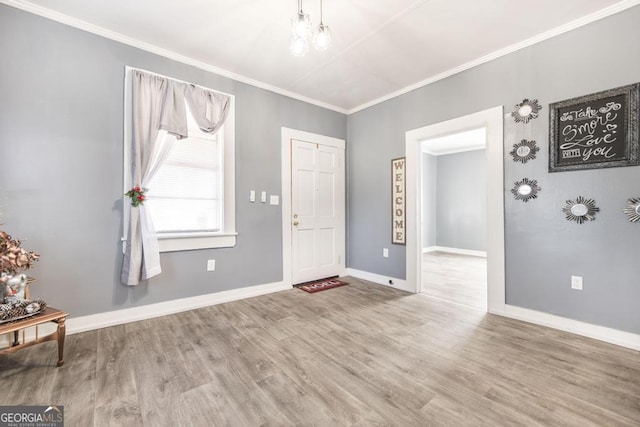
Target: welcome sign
595, 131
398, 201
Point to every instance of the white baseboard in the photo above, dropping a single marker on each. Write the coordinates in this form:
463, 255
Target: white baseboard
454, 251
379, 279
134, 314
601, 333
117, 317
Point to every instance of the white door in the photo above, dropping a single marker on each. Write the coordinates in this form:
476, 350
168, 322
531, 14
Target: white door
318, 212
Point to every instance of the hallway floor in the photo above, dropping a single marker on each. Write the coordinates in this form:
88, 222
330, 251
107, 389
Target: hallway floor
460, 279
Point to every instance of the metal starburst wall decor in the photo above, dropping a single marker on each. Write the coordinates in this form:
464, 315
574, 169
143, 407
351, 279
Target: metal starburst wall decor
525, 189
633, 209
524, 151
527, 110
580, 210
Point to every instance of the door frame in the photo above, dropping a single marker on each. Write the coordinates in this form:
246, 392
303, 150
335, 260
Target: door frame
492, 121
287, 134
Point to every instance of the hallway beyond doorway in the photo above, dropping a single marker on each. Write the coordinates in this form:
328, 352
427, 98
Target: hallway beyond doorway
460, 279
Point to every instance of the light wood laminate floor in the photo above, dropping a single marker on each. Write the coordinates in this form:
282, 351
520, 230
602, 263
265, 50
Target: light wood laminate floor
461, 279
357, 355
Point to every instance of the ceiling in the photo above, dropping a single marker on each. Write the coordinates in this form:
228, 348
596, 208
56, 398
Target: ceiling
381, 48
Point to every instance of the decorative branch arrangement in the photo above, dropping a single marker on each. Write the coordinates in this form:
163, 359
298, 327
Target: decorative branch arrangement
13, 258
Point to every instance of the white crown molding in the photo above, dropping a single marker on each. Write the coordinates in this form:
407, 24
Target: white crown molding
121, 38
86, 26
608, 11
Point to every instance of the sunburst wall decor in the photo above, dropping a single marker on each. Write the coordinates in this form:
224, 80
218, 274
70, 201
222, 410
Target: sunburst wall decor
527, 110
525, 189
524, 151
633, 209
580, 210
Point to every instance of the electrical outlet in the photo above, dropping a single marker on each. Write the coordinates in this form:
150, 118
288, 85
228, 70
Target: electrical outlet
385, 252
576, 282
211, 265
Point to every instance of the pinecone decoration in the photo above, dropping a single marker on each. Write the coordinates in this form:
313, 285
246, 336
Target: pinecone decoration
18, 311
4, 310
23, 308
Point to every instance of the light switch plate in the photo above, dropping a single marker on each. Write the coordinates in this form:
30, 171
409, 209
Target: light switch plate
576, 283
263, 197
274, 200
252, 196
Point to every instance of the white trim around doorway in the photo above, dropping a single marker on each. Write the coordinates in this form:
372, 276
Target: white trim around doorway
492, 121
287, 135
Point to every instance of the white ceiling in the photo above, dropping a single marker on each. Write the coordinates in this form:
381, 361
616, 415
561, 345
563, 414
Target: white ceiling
380, 47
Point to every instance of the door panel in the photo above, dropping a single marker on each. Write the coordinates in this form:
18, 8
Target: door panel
326, 195
317, 205
327, 244
306, 240
305, 188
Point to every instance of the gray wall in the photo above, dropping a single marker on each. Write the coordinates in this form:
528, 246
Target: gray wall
543, 249
429, 201
61, 125
461, 201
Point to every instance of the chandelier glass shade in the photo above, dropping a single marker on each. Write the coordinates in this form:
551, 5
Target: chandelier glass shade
301, 25
322, 40
302, 32
299, 46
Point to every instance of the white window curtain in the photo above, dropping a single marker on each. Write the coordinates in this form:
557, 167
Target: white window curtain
158, 120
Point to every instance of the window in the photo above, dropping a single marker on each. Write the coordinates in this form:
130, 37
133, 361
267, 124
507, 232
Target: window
186, 193
191, 198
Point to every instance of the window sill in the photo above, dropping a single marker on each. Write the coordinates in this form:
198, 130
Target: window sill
192, 241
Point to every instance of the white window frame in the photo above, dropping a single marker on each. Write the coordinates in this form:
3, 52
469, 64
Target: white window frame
170, 242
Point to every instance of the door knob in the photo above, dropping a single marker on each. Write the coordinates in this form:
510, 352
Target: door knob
295, 223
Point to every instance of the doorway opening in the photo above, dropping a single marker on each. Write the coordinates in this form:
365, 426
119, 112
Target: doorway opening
492, 121
454, 218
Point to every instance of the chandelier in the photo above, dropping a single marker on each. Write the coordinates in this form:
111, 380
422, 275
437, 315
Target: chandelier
302, 31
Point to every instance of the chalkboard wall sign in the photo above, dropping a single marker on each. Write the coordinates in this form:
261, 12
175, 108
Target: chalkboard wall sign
595, 131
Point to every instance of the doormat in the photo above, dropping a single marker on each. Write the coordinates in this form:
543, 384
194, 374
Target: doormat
321, 285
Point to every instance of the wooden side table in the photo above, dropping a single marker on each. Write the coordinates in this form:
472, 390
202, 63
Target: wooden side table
49, 314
